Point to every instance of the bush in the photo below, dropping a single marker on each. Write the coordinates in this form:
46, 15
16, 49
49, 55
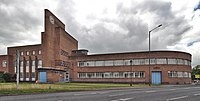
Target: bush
5, 77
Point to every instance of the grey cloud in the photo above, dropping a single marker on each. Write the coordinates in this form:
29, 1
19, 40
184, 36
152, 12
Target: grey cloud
101, 39
19, 23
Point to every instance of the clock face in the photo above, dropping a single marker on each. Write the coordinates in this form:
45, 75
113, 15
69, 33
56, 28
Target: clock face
51, 19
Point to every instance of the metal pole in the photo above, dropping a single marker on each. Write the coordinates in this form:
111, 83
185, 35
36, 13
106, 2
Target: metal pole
150, 52
149, 58
131, 73
17, 67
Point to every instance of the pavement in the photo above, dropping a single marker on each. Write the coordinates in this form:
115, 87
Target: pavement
153, 93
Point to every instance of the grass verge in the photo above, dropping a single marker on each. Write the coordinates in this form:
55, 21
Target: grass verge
30, 88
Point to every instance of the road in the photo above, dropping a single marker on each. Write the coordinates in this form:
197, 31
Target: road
163, 93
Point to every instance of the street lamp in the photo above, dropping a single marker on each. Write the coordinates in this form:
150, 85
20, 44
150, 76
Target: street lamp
149, 50
131, 74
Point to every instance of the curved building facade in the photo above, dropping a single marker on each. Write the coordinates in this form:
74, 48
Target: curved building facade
57, 59
166, 67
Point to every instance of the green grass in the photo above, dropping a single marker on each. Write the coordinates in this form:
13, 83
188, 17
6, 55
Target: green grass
29, 88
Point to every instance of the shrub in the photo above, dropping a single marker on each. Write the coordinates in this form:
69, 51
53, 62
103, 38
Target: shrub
5, 77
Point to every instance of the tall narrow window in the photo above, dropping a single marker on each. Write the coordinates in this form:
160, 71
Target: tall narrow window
33, 66
33, 52
21, 53
39, 63
4, 63
27, 52
39, 52
21, 66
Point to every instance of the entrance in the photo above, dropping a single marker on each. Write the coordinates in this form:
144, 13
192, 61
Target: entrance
67, 77
43, 77
156, 77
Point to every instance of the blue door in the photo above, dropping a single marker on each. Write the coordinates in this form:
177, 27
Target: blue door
43, 77
156, 77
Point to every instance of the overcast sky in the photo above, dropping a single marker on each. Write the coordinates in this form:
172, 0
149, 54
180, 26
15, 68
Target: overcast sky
104, 26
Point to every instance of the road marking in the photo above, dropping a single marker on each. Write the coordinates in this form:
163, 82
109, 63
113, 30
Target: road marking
197, 94
150, 91
124, 99
172, 89
93, 93
176, 98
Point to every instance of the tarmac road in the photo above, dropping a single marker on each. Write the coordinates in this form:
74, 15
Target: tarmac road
163, 93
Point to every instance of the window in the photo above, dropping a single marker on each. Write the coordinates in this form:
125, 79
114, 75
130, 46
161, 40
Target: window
33, 66
4, 63
33, 63
90, 63
39, 63
82, 75
172, 61
99, 75
118, 62
172, 74
180, 62
116, 75
127, 62
27, 52
27, 63
136, 62
152, 61
111, 75
21, 53
146, 61
27, 66
21, 75
185, 74
27, 75
185, 62
161, 61
33, 74
33, 52
39, 52
141, 61
180, 74
99, 63
81, 64
109, 63
21, 66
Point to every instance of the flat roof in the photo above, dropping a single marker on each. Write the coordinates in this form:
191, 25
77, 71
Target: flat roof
137, 52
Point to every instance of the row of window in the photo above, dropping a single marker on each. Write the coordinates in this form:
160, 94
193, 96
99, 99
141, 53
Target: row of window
134, 62
31, 52
179, 74
27, 75
129, 74
32, 62
111, 75
27, 66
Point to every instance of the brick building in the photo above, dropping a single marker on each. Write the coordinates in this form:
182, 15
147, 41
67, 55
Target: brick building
57, 59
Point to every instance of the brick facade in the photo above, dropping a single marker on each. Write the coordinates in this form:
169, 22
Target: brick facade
57, 59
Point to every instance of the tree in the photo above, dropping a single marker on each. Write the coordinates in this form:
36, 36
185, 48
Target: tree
195, 71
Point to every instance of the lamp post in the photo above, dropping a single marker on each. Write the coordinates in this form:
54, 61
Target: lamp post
149, 50
131, 74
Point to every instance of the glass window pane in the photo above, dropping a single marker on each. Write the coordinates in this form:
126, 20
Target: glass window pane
99, 63
109, 63
161, 61
172, 61
90, 63
119, 62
